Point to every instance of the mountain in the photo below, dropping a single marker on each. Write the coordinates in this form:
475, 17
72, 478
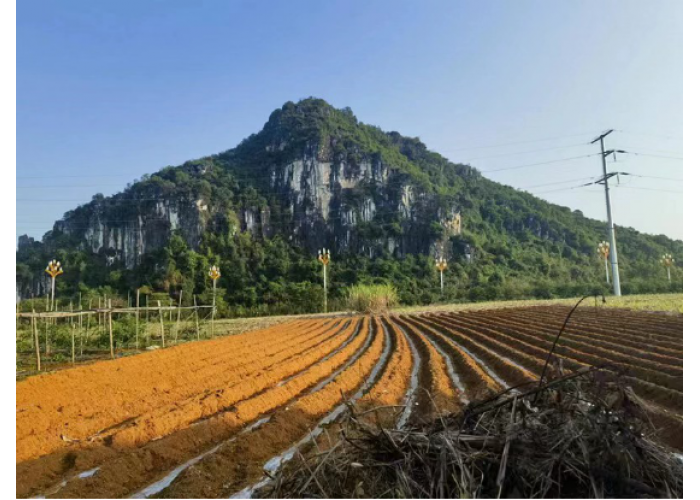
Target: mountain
314, 177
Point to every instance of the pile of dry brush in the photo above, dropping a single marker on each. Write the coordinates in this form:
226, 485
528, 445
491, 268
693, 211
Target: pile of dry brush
584, 435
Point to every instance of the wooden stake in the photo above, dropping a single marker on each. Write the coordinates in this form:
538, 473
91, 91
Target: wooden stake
170, 304
111, 340
137, 317
196, 316
162, 328
36, 343
72, 344
47, 347
104, 315
179, 306
87, 328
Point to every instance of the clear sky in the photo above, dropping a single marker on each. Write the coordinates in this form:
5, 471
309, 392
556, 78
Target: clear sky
108, 91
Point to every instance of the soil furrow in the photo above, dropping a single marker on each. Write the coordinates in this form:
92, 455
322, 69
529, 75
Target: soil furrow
79, 402
514, 367
543, 336
240, 463
572, 360
478, 383
538, 348
145, 462
641, 340
436, 393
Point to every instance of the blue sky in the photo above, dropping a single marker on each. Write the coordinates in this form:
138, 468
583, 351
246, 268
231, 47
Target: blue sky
108, 91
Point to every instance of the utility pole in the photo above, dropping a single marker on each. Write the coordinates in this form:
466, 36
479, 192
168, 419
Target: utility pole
324, 257
611, 226
53, 269
441, 265
667, 261
214, 274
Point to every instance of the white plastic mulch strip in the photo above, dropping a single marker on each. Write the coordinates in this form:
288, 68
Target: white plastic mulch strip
480, 362
411, 394
274, 463
456, 380
163, 483
166, 481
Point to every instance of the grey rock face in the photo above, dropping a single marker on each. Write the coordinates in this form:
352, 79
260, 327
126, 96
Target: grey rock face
128, 239
330, 202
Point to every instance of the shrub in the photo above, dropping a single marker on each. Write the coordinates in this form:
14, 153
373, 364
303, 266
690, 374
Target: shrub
373, 299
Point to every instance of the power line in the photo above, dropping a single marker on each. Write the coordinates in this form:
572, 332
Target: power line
655, 177
658, 136
555, 183
518, 142
655, 156
561, 189
526, 152
83, 176
238, 177
537, 164
651, 189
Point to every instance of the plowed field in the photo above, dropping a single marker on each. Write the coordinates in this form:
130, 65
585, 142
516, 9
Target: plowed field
207, 419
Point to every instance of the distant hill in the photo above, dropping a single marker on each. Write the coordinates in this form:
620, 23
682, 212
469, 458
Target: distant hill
314, 177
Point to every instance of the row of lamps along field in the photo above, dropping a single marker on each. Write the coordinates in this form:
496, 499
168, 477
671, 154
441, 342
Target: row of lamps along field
54, 269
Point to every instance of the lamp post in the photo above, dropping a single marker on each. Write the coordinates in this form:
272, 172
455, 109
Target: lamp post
53, 269
214, 274
324, 257
667, 261
603, 252
441, 265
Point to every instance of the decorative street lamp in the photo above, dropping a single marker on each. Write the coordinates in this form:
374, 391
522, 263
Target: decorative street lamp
53, 269
214, 274
324, 257
667, 261
441, 265
603, 253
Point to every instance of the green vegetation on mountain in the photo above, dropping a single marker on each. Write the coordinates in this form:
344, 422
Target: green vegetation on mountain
241, 210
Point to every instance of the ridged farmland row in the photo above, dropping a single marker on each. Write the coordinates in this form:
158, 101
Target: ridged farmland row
240, 463
513, 365
658, 322
437, 392
531, 353
666, 328
226, 421
207, 419
262, 374
476, 380
645, 380
389, 393
639, 345
109, 399
644, 368
638, 335
600, 329
613, 339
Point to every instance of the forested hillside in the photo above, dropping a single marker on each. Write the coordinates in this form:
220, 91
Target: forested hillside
314, 177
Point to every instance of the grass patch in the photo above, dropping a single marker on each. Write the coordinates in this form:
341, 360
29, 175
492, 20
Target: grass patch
372, 299
667, 302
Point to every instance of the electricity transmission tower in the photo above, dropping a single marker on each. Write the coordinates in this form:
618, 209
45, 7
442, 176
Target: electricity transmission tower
611, 226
